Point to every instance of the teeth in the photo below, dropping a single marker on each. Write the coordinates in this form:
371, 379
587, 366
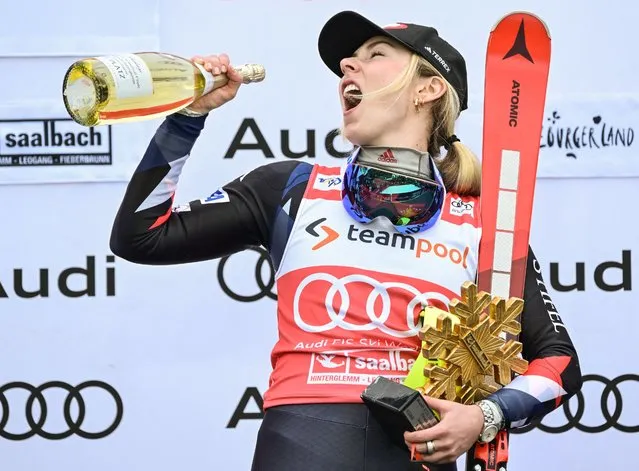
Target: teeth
351, 87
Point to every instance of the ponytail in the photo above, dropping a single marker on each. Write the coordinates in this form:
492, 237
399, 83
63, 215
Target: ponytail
459, 167
461, 170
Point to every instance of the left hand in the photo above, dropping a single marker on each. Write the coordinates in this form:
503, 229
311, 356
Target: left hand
458, 429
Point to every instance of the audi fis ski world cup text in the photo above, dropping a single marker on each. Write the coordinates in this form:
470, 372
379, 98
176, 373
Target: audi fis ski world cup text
57, 142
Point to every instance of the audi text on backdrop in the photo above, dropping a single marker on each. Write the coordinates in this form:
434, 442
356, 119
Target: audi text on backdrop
601, 275
259, 143
66, 281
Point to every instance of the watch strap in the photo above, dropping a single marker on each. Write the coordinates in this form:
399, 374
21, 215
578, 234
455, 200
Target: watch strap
493, 415
190, 113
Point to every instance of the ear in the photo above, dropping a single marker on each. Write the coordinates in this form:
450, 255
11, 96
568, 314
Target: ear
430, 89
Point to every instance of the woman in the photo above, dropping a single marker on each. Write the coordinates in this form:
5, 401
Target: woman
343, 320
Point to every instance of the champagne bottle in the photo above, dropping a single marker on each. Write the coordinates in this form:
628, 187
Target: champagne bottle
134, 87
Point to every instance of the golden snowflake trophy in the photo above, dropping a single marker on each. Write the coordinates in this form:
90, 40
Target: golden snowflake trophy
466, 354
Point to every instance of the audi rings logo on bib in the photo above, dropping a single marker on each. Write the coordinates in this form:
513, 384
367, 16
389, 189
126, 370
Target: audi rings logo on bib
341, 296
56, 410
358, 302
602, 404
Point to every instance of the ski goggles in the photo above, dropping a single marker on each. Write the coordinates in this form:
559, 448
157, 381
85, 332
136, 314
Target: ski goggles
412, 205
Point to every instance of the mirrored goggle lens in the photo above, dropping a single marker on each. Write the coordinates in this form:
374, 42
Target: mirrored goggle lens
407, 202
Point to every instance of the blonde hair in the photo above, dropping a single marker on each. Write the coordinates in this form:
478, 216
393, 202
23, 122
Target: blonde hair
459, 167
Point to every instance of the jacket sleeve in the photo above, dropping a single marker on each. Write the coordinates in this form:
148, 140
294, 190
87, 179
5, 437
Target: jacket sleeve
553, 375
149, 229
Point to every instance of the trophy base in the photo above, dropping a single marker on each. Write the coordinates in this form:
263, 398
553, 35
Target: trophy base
397, 408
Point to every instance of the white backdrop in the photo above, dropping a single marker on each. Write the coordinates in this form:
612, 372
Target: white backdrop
179, 351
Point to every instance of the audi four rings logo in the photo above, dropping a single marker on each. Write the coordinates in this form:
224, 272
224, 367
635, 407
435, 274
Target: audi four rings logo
376, 291
264, 287
611, 409
36, 416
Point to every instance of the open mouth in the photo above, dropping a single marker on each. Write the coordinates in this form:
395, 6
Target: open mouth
352, 96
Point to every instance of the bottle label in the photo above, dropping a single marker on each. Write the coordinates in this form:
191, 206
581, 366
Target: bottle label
131, 75
208, 77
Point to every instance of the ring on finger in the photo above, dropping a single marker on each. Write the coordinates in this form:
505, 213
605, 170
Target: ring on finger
430, 447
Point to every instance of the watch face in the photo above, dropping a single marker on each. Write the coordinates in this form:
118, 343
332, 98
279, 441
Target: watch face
489, 434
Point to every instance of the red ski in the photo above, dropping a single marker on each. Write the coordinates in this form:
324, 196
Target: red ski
517, 66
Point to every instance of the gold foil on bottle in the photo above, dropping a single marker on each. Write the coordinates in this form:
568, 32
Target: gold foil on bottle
251, 72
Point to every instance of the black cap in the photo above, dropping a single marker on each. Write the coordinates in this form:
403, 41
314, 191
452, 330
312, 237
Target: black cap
345, 32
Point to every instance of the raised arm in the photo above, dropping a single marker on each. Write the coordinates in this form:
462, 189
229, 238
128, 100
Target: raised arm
150, 228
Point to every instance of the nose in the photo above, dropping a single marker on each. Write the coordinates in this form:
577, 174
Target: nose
349, 64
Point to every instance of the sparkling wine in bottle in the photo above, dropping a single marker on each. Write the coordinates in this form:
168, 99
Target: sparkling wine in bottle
140, 86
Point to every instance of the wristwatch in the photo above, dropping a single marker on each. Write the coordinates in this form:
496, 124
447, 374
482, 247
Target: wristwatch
493, 420
190, 113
